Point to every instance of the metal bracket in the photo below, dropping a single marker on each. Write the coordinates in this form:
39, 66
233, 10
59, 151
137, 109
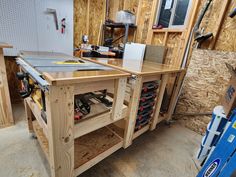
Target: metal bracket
33, 74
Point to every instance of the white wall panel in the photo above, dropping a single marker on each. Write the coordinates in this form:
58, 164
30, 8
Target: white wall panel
18, 25
25, 25
49, 38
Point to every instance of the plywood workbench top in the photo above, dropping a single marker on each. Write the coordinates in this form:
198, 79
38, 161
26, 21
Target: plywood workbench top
135, 66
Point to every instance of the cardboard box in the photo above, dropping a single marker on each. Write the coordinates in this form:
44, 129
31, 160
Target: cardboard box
228, 100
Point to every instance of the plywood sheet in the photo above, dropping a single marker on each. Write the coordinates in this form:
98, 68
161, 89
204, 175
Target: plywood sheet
227, 34
173, 45
143, 20
228, 29
206, 81
89, 146
80, 12
96, 19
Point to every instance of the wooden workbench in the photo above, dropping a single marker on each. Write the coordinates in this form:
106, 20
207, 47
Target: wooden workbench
71, 148
6, 117
144, 72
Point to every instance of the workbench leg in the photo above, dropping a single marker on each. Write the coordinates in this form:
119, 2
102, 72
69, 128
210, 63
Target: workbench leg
174, 97
6, 116
60, 120
132, 111
119, 96
29, 117
164, 80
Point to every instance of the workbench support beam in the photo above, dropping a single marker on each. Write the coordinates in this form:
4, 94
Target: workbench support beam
119, 96
133, 110
60, 119
29, 116
176, 92
6, 116
162, 88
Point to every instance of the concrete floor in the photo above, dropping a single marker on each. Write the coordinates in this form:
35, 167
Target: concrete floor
165, 152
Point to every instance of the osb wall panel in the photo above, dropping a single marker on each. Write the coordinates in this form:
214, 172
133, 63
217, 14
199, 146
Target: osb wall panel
158, 39
226, 40
96, 19
210, 19
115, 6
80, 17
143, 21
131, 5
141, 8
206, 81
173, 44
228, 29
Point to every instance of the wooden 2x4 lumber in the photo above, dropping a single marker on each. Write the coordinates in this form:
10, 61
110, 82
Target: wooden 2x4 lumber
219, 23
164, 81
190, 24
152, 18
87, 126
93, 86
176, 91
29, 116
37, 114
137, 84
60, 121
141, 131
118, 100
42, 139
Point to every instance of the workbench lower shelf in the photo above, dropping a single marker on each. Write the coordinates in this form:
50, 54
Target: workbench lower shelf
88, 149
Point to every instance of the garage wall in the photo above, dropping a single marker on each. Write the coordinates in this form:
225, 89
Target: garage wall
26, 26
207, 75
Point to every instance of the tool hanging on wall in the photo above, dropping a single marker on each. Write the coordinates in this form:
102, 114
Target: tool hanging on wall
233, 13
199, 36
54, 13
63, 25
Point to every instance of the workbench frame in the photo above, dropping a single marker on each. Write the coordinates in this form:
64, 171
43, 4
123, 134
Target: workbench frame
136, 89
137, 80
57, 137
